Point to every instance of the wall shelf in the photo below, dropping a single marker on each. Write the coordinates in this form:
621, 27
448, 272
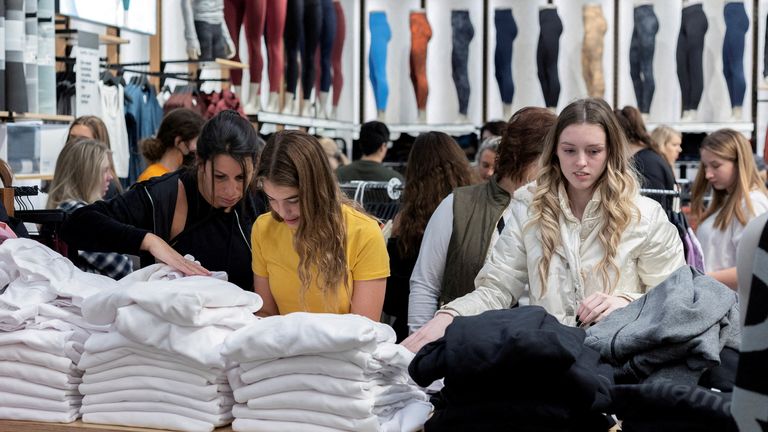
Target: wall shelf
48, 118
449, 128
704, 127
308, 122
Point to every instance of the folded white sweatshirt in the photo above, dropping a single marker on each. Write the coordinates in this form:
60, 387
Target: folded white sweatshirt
125, 358
250, 425
99, 342
313, 365
191, 301
316, 401
219, 405
48, 340
69, 314
370, 424
24, 354
410, 418
19, 386
15, 413
149, 420
39, 375
148, 371
303, 333
30, 402
159, 409
203, 393
12, 319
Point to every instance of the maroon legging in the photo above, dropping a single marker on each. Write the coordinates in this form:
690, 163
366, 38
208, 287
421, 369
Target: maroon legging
338, 48
265, 17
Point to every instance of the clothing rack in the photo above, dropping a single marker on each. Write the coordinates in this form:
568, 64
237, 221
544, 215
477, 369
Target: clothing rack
675, 194
381, 199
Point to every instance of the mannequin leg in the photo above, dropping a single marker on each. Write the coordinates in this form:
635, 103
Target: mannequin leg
338, 48
234, 12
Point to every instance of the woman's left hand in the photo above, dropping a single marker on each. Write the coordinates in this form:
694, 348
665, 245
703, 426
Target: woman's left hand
598, 306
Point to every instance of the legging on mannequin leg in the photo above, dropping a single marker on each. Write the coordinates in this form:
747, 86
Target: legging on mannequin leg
273, 37
547, 53
641, 51
234, 13
463, 32
338, 49
252, 14
690, 51
506, 31
421, 33
595, 27
313, 24
294, 28
326, 44
211, 40
377, 57
736, 26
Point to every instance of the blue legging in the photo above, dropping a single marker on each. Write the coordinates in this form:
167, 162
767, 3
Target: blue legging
326, 44
463, 32
377, 57
506, 31
736, 26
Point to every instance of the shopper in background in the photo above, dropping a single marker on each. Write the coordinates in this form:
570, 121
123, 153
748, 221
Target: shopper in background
436, 166
463, 229
668, 142
81, 177
204, 211
654, 170
374, 143
92, 127
335, 157
728, 172
581, 238
174, 145
485, 159
315, 251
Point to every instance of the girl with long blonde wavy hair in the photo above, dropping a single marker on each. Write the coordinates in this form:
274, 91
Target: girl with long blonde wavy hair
580, 237
728, 172
315, 251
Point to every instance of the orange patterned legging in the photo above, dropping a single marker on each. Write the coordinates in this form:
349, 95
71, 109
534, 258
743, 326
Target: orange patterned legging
421, 33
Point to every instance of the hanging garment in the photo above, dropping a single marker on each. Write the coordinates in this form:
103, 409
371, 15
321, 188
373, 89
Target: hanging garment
15, 81
336, 53
113, 114
30, 54
421, 33
506, 32
46, 56
546, 54
462, 34
377, 57
312, 33
736, 26
595, 27
690, 52
294, 29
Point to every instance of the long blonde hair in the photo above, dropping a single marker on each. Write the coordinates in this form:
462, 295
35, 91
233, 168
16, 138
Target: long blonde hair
296, 159
617, 185
78, 174
732, 146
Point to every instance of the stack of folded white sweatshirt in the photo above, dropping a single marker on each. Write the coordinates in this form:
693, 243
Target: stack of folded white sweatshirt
161, 365
322, 372
42, 331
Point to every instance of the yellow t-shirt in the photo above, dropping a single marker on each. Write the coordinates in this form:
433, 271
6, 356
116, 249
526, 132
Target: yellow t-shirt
154, 170
275, 258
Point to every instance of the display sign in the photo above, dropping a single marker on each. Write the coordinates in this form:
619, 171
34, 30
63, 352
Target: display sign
87, 68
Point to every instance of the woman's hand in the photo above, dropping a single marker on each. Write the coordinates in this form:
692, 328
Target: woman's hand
598, 306
163, 252
433, 330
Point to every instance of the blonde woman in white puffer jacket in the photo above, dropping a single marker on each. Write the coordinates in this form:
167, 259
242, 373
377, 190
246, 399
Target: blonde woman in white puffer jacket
581, 237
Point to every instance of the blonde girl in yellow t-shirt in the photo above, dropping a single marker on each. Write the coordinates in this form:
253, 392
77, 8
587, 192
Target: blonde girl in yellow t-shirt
315, 251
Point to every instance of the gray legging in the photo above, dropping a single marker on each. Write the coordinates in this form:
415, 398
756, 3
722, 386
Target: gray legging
641, 50
690, 50
463, 32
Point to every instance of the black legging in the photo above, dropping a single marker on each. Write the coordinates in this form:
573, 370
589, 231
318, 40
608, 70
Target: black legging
313, 27
506, 31
294, 29
546, 55
690, 50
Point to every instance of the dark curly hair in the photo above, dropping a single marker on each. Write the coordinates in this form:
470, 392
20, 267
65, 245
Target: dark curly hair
436, 166
522, 142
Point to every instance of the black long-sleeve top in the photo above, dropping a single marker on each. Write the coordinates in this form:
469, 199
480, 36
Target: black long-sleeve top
219, 240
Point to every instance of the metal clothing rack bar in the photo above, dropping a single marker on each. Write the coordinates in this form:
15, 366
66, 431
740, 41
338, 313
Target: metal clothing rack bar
659, 192
381, 199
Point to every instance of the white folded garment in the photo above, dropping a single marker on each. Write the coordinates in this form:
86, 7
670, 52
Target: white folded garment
314, 365
39, 375
321, 383
24, 354
148, 371
48, 340
370, 424
15, 413
219, 405
92, 359
70, 314
149, 420
18, 386
315, 401
191, 301
203, 393
250, 425
303, 333
410, 418
198, 344
161, 408
12, 319
125, 358
78, 334
99, 342
30, 402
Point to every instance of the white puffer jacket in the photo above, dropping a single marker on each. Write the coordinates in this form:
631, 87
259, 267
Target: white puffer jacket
650, 250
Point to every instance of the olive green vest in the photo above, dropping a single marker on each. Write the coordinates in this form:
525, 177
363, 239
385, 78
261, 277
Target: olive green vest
476, 212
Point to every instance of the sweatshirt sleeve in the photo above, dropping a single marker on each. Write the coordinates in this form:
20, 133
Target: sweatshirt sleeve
118, 225
661, 253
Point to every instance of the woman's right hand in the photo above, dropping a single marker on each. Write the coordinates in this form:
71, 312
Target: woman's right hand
163, 252
433, 330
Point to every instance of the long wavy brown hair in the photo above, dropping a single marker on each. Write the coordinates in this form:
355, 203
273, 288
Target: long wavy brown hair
436, 166
296, 159
617, 185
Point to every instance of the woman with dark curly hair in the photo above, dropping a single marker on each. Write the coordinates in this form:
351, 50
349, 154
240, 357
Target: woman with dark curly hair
436, 166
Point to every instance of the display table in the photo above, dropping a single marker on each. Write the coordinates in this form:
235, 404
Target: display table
78, 426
